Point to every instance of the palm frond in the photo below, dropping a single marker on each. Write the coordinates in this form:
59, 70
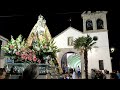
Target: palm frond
84, 42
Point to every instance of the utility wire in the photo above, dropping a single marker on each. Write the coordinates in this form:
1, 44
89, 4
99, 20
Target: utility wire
70, 13
9, 16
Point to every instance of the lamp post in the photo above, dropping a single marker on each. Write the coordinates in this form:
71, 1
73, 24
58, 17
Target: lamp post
112, 49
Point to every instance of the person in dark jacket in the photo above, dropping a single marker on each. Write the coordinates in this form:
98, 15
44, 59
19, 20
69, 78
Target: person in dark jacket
31, 72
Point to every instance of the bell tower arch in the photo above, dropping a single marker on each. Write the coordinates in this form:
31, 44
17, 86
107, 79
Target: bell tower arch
94, 21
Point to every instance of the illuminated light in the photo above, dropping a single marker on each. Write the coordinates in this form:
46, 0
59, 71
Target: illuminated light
112, 49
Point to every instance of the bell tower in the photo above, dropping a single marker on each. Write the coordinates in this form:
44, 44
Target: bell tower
94, 21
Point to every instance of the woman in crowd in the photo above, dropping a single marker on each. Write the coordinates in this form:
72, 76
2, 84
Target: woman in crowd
107, 75
74, 74
93, 74
118, 74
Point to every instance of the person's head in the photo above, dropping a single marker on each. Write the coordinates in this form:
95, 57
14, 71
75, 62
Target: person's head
67, 75
113, 76
114, 71
2, 73
117, 71
107, 72
78, 66
31, 72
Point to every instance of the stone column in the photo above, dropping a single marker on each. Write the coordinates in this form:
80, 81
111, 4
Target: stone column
84, 25
94, 24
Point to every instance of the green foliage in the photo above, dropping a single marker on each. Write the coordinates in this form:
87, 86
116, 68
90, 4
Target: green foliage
45, 48
13, 46
19, 46
84, 42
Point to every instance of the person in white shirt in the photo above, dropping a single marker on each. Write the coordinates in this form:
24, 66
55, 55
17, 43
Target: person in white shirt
107, 75
74, 74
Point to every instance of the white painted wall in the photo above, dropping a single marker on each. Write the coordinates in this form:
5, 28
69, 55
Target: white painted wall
61, 40
100, 53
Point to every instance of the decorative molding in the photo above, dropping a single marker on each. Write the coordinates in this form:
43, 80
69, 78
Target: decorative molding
94, 31
86, 13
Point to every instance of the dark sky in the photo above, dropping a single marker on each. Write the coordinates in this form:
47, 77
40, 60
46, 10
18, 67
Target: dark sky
15, 21
21, 20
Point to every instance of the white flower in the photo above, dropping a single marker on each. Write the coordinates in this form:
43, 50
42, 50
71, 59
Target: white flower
9, 51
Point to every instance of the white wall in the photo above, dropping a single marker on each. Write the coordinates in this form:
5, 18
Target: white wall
97, 54
100, 53
102, 38
61, 40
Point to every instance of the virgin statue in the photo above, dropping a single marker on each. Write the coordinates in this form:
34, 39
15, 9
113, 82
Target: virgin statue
40, 30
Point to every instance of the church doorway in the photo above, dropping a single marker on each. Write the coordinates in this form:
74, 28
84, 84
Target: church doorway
71, 59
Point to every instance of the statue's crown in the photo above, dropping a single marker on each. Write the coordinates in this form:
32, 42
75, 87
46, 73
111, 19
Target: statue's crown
41, 19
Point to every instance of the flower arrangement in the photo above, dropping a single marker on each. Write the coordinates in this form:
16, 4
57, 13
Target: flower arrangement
44, 48
14, 46
36, 53
27, 55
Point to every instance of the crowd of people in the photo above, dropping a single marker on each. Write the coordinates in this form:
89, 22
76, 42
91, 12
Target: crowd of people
98, 74
72, 73
32, 72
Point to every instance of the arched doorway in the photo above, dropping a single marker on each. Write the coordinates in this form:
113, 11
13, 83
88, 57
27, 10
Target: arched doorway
71, 59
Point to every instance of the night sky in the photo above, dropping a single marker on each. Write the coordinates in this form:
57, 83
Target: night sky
15, 21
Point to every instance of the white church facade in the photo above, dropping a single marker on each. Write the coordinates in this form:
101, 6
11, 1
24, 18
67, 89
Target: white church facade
95, 25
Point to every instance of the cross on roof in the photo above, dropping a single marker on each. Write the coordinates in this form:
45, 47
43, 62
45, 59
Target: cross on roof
70, 21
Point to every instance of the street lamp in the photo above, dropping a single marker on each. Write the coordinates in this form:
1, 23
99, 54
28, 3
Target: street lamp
112, 49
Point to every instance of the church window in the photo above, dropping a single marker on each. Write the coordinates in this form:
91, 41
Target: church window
100, 24
89, 25
70, 41
101, 65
